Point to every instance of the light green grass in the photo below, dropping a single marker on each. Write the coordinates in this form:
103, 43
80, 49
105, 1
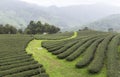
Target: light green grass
56, 67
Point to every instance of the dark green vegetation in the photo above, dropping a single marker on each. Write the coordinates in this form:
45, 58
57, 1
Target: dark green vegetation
95, 51
8, 29
14, 61
39, 28
32, 28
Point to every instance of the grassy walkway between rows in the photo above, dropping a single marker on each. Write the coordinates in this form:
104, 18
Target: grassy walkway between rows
56, 67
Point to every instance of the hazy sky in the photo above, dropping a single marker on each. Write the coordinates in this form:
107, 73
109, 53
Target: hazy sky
61, 3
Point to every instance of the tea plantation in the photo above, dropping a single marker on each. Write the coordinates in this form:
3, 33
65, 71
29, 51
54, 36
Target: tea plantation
78, 54
94, 51
14, 61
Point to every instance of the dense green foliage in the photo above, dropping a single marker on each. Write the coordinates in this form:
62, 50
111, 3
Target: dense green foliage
39, 28
88, 54
100, 55
7, 29
113, 58
80, 50
32, 28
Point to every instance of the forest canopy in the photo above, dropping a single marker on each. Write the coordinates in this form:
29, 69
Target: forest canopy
39, 28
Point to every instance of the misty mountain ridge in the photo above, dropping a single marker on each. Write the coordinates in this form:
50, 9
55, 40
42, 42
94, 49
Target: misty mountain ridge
112, 21
19, 14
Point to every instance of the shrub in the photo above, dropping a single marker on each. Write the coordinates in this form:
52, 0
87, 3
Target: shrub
89, 54
67, 46
80, 50
17, 65
28, 73
112, 58
19, 69
72, 49
98, 61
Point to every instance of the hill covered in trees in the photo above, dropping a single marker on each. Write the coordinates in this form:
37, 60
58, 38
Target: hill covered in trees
64, 17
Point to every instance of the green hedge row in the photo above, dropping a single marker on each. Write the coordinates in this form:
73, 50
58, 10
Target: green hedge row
67, 46
6, 67
16, 61
20, 69
28, 73
112, 58
55, 48
99, 55
80, 50
15, 56
89, 54
73, 48
6, 54
68, 51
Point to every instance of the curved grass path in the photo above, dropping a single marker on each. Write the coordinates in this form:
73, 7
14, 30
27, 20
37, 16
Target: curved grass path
56, 67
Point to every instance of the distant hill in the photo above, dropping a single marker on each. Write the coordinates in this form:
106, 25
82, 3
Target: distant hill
112, 21
19, 14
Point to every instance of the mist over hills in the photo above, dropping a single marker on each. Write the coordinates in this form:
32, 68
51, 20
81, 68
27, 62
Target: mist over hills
19, 14
112, 21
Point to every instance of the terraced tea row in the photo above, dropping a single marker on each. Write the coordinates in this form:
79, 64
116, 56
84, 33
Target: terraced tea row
14, 61
91, 51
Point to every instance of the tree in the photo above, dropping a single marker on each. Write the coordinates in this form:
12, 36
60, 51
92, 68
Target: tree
1, 29
9, 29
38, 27
110, 30
27, 31
20, 31
13, 30
86, 28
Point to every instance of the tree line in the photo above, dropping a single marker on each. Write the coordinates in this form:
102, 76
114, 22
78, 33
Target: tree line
32, 28
87, 28
7, 29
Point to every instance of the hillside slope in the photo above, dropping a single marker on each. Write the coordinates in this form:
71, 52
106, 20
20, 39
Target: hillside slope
19, 14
